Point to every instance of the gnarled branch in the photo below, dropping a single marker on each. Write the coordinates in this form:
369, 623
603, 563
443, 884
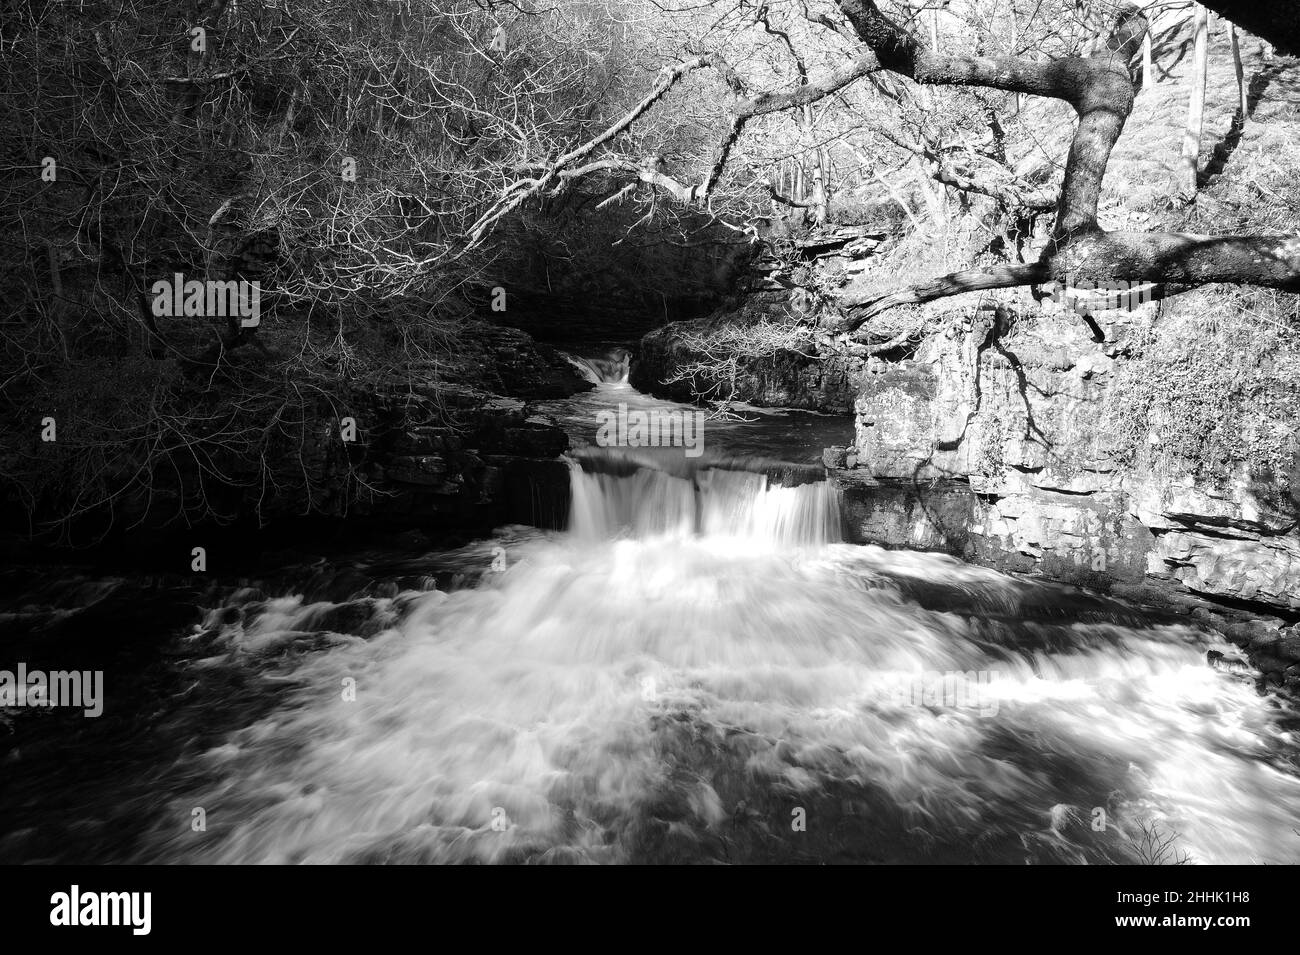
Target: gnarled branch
1100, 88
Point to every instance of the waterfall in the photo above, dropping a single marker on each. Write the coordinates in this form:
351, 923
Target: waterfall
612, 368
709, 501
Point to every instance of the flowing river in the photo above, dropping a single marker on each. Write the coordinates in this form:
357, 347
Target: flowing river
699, 669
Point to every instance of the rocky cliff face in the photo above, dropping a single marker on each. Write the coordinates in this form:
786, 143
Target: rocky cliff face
465, 458
1016, 405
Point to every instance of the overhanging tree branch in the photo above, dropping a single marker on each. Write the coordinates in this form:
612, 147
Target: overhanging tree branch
972, 280
1101, 90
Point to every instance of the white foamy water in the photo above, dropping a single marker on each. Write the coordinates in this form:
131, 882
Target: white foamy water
714, 502
698, 662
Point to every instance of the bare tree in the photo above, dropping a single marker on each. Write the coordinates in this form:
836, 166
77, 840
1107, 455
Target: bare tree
334, 152
1101, 90
1196, 103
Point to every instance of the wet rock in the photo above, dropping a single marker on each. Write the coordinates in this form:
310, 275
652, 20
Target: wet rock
1226, 661
1264, 643
1288, 646
835, 457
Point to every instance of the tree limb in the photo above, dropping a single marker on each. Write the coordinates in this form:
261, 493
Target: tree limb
1101, 90
972, 280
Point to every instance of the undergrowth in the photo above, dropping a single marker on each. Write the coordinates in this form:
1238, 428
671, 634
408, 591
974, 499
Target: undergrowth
1213, 386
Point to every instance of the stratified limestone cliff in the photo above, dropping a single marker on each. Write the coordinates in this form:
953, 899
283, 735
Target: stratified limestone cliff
1018, 407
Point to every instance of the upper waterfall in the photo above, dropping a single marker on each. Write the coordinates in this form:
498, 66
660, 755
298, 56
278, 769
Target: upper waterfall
613, 368
708, 500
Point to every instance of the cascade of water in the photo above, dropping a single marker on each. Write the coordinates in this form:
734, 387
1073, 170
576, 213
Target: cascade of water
711, 501
696, 660
678, 697
613, 368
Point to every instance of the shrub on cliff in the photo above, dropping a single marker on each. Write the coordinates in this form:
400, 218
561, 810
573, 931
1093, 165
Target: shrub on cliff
1211, 388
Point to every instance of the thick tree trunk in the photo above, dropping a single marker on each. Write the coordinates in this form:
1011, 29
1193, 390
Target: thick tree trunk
972, 280
1180, 259
821, 212
1102, 260
1099, 88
